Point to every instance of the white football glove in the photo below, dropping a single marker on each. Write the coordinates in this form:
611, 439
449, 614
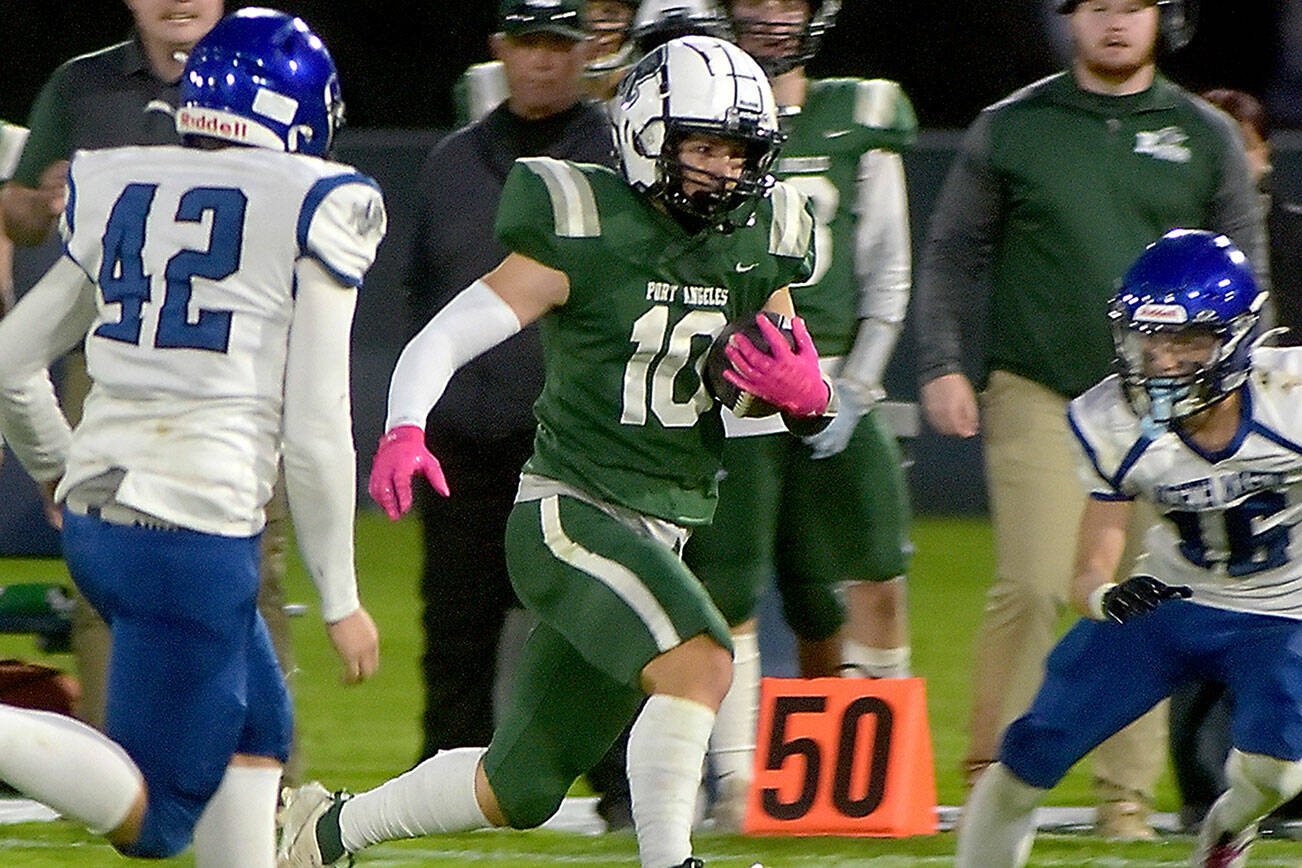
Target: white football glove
834, 438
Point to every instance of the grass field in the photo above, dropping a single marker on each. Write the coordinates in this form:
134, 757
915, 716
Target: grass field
357, 737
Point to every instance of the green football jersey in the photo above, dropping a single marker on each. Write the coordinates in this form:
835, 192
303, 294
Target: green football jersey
624, 414
840, 121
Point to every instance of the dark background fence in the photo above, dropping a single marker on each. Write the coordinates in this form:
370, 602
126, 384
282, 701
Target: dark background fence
398, 58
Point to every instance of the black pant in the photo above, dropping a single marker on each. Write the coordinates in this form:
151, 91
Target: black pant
465, 588
1201, 712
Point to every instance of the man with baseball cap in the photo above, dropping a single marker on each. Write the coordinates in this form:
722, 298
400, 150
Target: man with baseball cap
485, 423
1066, 7
562, 17
1056, 190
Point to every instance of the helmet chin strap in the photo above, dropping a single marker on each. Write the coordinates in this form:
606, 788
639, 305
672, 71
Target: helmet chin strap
1163, 393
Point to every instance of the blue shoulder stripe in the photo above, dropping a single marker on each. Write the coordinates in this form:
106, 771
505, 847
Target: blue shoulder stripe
315, 196
70, 217
1275, 437
70, 206
1114, 481
1139, 448
1085, 445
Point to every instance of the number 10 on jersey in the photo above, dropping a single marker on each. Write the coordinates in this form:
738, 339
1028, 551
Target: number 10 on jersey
843, 756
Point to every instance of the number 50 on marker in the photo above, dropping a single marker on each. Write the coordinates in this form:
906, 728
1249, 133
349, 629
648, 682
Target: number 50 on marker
843, 756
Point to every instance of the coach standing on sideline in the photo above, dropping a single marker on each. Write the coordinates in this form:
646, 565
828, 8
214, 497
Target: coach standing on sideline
483, 428
1056, 190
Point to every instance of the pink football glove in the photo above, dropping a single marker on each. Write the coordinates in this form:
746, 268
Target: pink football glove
789, 380
402, 454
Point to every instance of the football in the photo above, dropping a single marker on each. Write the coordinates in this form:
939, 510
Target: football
739, 401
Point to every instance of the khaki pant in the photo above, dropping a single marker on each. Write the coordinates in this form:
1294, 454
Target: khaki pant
1036, 499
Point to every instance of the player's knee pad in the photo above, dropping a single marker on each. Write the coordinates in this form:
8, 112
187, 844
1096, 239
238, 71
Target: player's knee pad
814, 611
1033, 755
165, 830
270, 733
528, 801
1278, 780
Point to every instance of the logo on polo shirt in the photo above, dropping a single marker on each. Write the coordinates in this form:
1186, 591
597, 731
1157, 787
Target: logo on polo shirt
1167, 143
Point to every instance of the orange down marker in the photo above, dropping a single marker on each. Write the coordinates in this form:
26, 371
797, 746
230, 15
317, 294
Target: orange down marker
843, 756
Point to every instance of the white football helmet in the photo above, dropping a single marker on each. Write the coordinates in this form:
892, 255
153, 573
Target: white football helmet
694, 85
658, 21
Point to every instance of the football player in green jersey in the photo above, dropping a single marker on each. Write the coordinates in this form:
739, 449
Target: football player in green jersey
776, 516
630, 275
610, 50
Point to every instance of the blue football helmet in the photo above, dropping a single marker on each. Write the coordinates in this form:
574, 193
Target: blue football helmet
262, 78
1184, 324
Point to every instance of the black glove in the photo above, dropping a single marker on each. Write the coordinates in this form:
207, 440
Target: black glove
1138, 595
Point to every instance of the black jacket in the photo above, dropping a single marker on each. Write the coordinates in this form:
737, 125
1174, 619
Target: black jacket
453, 244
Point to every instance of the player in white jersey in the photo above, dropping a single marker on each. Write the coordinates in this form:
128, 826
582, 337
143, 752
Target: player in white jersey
213, 286
1207, 426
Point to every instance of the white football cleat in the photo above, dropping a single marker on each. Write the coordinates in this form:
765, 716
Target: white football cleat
1227, 851
302, 807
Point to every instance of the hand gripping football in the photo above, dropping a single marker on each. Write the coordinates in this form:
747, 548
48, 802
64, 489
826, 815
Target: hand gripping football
739, 401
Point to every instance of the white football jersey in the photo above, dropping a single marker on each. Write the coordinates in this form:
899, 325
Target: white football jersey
1229, 525
193, 255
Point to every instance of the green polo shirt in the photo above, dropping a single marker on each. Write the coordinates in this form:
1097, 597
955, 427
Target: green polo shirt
1055, 193
105, 99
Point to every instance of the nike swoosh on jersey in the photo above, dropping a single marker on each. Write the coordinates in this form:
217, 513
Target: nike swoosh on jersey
836, 134
742, 269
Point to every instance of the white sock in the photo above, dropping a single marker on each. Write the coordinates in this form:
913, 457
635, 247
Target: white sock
436, 796
998, 823
1258, 785
65, 764
732, 741
864, 660
238, 825
666, 748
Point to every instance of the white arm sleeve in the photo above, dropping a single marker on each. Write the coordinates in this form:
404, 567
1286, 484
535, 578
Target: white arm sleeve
320, 463
475, 321
49, 320
12, 139
883, 264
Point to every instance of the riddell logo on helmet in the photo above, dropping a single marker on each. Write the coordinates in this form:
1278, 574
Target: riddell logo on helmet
1170, 314
191, 121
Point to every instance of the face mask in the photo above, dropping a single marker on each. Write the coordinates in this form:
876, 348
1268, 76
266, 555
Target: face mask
1163, 394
